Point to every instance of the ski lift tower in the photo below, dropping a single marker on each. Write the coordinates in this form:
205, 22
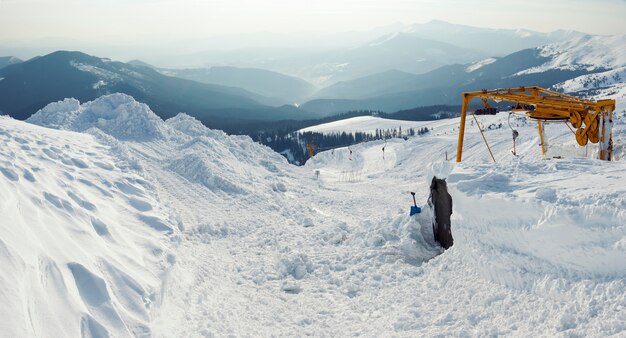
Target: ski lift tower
593, 120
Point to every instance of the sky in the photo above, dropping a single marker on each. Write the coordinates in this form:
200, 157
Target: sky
148, 21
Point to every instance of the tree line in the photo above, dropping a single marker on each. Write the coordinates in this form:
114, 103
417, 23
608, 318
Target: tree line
295, 145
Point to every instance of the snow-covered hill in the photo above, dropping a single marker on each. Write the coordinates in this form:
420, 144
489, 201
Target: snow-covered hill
365, 124
188, 232
604, 57
587, 52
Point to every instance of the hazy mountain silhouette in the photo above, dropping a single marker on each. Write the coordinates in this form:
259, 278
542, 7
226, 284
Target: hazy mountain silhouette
392, 91
489, 40
286, 89
8, 60
30, 85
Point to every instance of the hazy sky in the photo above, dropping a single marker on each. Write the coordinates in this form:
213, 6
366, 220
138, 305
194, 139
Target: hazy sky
149, 20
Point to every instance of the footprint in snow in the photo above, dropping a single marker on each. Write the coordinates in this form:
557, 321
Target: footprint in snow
28, 175
155, 223
91, 288
139, 204
90, 184
20, 140
100, 227
58, 202
76, 162
81, 202
129, 189
10, 174
79, 163
51, 154
68, 176
103, 165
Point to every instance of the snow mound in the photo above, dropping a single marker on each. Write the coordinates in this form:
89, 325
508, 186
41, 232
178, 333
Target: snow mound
191, 126
408, 237
197, 168
118, 115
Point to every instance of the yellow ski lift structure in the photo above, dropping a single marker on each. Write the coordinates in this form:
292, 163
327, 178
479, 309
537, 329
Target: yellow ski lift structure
593, 120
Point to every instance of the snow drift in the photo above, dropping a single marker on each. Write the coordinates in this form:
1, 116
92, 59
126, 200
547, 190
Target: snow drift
82, 237
118, 115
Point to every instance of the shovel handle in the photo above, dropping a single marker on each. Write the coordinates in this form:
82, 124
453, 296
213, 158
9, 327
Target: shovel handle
413, 194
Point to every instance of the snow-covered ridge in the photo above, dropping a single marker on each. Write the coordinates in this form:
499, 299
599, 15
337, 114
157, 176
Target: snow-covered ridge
594, 81
588, 52
479, 64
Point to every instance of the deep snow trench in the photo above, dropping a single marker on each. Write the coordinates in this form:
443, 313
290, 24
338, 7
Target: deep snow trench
134, 226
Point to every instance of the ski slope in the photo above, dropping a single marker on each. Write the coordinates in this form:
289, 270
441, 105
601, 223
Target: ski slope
365, 124
214, 235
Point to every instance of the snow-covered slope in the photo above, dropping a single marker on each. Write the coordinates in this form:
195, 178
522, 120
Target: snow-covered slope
604, 57
222, 237
83, 237
366, 124
588, 52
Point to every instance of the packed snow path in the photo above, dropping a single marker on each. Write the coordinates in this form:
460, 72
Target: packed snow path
257, 247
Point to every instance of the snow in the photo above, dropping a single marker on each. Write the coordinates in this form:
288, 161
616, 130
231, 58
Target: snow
477, 65
99, 84
588, 52
100, 73
182, 231
384, 39
118, 115
77, 256
594, 81
367, 124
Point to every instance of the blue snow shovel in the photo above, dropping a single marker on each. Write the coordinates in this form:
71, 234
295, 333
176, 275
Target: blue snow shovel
414, 208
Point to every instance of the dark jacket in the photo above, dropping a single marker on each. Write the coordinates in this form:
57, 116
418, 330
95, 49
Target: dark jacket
441, 201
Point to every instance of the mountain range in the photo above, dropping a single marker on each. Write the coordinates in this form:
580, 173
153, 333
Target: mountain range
283, 89
396, 67
415, 48
551, 65
28, 86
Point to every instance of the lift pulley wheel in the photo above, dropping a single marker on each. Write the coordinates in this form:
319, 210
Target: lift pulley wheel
575, 119
581, 137
594, 135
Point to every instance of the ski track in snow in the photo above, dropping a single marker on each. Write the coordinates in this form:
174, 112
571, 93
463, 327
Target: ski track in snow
187, 232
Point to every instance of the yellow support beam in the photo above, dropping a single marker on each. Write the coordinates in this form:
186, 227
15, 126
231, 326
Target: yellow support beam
543, 147
459, 152
550, 105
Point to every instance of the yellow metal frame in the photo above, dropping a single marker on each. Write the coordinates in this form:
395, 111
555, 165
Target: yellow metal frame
551, 106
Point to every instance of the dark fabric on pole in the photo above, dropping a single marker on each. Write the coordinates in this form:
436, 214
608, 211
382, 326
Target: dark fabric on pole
441, 202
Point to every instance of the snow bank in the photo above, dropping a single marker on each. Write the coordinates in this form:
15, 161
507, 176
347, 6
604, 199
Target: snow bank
83, 238
192, 127
118, 115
